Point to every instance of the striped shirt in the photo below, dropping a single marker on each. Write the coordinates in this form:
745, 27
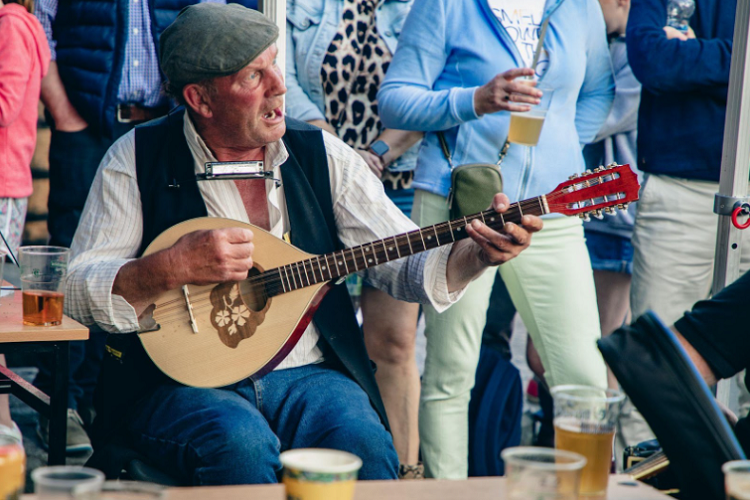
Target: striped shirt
111, 228
141, 80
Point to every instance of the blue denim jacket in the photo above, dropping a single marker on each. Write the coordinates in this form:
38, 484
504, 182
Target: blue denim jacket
449, 48
311, 26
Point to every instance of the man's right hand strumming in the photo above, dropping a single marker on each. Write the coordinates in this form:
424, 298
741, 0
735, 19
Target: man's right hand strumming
198, 258
213, 256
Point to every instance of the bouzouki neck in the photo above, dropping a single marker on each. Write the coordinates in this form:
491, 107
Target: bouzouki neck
335, 265
604, 189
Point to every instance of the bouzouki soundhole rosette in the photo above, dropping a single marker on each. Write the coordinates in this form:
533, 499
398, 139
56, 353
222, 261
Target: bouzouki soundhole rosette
236, 315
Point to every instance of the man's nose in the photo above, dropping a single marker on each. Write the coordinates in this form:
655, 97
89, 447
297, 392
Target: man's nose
277, 86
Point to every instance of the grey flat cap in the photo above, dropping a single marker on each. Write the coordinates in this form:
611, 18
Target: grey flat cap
209, 40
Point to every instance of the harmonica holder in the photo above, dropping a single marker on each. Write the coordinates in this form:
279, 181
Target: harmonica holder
231, 170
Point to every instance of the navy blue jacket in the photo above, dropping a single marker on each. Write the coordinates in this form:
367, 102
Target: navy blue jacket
91, 39
684, 96
91, 43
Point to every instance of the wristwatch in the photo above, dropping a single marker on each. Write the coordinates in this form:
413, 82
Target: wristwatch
379, 148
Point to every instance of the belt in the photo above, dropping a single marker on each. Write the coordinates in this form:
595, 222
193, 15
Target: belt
127, 113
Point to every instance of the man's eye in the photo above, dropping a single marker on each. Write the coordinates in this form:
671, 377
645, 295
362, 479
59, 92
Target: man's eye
254, 75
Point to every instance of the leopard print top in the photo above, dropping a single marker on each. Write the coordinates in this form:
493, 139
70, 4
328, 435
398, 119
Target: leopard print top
353, 68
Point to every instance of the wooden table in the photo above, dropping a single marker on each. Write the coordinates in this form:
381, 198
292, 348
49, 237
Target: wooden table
15, 336
620, 488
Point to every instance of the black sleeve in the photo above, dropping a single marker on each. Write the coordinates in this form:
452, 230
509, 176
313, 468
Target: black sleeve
718, 328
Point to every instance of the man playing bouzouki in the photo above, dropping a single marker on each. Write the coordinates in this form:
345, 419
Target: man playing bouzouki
219, 61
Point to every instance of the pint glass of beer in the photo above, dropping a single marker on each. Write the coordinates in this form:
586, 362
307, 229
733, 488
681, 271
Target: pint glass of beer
526, 126
43, 273
585, 421
737, 479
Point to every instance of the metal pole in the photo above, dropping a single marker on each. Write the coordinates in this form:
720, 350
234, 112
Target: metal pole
735, 167
275, 10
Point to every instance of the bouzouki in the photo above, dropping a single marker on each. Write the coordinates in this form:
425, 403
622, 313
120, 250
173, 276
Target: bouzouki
215, 335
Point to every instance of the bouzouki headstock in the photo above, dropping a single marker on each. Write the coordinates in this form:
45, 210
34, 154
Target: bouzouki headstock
591, 193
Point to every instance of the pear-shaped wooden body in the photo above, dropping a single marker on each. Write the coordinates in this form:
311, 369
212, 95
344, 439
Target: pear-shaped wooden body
238, 334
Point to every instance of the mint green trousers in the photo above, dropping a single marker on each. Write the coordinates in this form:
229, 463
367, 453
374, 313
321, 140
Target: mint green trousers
552, 287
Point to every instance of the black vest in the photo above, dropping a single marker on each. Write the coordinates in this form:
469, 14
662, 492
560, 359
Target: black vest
163, 160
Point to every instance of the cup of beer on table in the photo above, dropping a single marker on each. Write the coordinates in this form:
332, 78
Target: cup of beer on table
526, 126
319, 474
12, 464
43, 273
585, 421
737, 479
542, 473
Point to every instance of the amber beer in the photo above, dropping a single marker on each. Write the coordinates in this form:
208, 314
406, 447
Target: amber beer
525, 127
595, 445
42, 308
12, 468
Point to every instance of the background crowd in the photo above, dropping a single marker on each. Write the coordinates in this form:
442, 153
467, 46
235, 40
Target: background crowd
391, 79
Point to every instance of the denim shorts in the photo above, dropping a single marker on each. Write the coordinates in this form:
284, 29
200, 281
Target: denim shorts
609, 252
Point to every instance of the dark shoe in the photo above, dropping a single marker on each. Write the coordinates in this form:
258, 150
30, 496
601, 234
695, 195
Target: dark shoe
78, 441
411, 471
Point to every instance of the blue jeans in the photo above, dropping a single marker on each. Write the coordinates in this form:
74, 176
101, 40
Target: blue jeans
609, 252
233, 435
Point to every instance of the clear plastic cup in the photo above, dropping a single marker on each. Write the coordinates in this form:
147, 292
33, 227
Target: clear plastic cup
542, 473
737, 479
67, 482
585, 422
526, 126
43, 273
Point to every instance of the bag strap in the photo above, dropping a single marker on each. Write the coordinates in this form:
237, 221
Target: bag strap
506, 145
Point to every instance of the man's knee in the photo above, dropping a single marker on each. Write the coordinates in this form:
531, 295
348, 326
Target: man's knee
236, 453
373, 444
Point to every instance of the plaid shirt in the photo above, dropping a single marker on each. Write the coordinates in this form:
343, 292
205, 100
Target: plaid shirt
141, 79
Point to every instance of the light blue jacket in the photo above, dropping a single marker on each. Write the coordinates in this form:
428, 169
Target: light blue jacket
311, 26
449, 48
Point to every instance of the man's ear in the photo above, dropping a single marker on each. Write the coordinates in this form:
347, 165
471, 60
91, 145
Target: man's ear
197, 99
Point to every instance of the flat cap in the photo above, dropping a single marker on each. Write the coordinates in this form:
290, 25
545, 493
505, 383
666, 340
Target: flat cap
207, 40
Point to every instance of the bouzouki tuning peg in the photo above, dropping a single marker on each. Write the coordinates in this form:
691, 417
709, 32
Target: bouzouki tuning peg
574, 176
